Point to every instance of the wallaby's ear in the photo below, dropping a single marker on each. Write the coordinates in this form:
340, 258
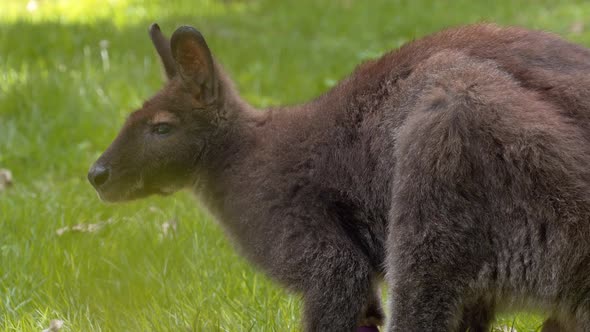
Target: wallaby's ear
195, 63
163, 48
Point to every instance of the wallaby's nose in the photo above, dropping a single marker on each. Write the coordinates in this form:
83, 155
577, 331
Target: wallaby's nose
98, 175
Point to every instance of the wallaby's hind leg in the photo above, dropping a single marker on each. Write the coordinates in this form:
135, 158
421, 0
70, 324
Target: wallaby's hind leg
552, 325
427, 282
479, 318
441, 229
568, 323
429, 270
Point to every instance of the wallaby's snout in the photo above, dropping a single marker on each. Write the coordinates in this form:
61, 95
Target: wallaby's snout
98, 175
111, 182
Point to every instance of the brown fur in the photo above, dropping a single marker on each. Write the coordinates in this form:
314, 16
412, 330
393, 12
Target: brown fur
456, 165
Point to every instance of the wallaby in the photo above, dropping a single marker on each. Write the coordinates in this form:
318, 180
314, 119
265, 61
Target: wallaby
457, 167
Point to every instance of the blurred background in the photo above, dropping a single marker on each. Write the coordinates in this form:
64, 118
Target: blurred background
70, 72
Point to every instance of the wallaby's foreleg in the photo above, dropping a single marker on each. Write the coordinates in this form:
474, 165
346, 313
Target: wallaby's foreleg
477, 317
373, 314
332, 273
331, 300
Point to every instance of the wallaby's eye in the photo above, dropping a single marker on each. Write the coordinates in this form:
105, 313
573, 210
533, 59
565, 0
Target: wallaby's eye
162, 128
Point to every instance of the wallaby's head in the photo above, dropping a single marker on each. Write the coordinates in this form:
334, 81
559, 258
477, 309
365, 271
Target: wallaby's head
161, 145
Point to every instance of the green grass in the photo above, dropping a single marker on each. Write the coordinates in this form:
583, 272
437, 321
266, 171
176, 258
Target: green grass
61, 103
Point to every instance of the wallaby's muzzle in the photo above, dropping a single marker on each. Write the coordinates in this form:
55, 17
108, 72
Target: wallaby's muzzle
98, 175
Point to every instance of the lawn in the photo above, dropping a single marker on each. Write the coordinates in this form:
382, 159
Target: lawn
70, 71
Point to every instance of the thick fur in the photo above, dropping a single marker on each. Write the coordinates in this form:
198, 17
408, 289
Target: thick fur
457, 166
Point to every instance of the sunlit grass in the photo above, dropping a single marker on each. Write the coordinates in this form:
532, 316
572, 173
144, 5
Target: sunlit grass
70, 71
120, 12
